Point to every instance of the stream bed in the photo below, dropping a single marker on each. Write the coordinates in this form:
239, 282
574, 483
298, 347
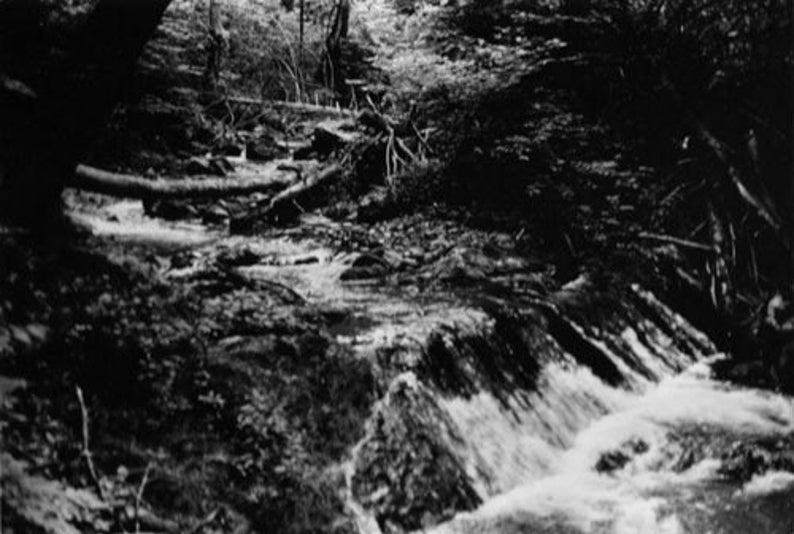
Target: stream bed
574, 412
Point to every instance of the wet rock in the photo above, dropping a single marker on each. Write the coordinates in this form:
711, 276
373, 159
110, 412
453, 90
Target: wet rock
460, 266
405, 472
612, 461
617, 459
691, 445
171, 210
182, 259
238, 257
372, 119
229, 150
394, 259
763, 355
215, 215
369, 260
263, 150
755, 373
197, 166
305, 260
363, 273
217, 166
303, 151
330, 135
744, 460
462, 275
376, 205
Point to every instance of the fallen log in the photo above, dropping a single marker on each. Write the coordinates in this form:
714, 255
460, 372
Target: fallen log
289, 203
131, 186
298, 107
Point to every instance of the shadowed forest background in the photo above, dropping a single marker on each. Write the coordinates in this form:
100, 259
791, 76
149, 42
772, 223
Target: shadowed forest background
232, 231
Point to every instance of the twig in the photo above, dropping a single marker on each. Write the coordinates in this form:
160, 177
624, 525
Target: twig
371, 103
677, 241
139, 497
397, 160
86, 453
387, 155
698, 228
206, 521
422, 141
753, 264
670, 196
401, 144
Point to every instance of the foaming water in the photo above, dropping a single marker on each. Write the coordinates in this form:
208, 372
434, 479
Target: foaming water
647, 494
508, 447
769, 482
533, 433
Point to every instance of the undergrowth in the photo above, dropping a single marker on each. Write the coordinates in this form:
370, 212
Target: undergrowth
240, 413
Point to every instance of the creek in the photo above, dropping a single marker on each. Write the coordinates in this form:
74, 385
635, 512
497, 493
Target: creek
583, 411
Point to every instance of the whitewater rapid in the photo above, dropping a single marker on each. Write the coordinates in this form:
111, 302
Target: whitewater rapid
648, 495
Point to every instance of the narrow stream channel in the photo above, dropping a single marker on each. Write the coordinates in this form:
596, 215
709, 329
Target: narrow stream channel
617, 430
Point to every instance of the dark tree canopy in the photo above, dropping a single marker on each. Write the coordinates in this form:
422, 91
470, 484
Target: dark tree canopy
74, 80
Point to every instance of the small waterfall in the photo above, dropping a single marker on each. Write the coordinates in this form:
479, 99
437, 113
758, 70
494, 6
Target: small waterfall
648, 494
510, 419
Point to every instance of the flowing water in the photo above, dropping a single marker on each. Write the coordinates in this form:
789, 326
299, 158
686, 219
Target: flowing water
559, 422
648, 494
540, 458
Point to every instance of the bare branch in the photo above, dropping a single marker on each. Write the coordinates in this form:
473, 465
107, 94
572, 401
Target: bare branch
86, 453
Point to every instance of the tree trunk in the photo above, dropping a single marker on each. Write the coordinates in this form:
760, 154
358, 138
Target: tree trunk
791, 133
301, 18
216, 44
337, 35
43, 135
